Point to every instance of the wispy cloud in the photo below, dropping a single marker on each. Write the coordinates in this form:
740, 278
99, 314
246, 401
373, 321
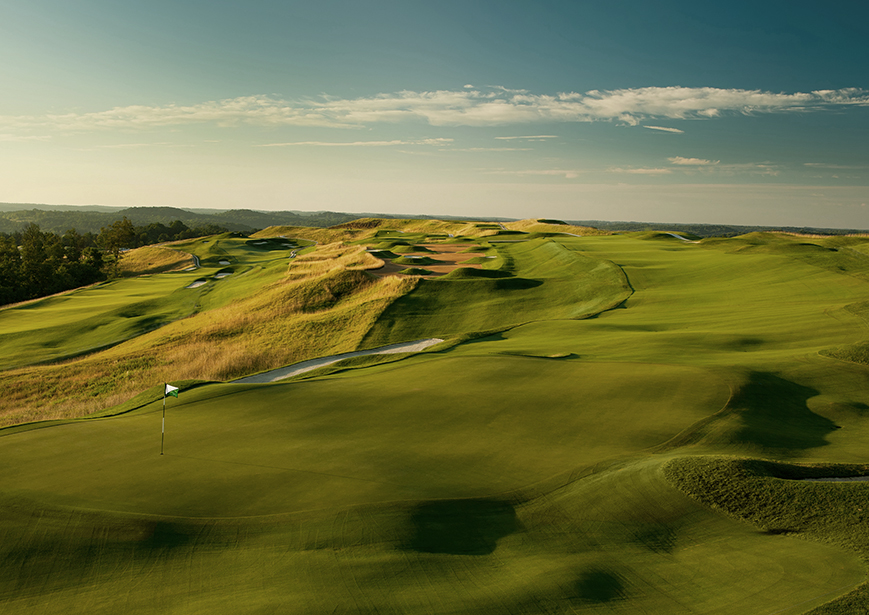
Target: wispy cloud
529, 138
493, 106
692, 162
641, 171
823, 165
394, 142
565, 173
492, 149
19, 138
665, 129
138, 145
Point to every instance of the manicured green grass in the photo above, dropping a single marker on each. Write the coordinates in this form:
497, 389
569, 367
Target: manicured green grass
97, 317
538, 280
624, 444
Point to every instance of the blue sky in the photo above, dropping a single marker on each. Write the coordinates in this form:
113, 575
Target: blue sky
742, 113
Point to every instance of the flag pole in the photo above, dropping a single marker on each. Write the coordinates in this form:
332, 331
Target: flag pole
163, 428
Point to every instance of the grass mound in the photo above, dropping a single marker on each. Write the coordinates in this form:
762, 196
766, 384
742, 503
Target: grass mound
153, 259
548, 279
472, 273
383, 253
416, 271
781, 499
415, 260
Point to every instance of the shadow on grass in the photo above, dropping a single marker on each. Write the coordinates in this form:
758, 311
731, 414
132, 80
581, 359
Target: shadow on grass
461, 527
164, 535
657, 538
775, 415
597, 585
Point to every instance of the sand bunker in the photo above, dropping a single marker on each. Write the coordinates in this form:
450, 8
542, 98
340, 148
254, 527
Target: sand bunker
222, 274
306, 366
222, 262
450, 256
197, 284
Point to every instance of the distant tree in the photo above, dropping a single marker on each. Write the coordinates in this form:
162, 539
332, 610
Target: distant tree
35, 271
73, 244
119, 234
10, 271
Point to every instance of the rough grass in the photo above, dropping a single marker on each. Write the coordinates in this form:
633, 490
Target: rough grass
153, 259
533, 225
294, 314
777, 498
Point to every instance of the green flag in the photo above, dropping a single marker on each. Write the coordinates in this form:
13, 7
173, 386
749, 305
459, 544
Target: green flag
170, 390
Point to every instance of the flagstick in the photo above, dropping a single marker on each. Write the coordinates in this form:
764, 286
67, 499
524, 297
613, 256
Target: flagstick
163, 429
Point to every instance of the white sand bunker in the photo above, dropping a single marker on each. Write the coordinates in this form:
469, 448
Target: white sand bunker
222, 274
306, 366
197, 284
222, 262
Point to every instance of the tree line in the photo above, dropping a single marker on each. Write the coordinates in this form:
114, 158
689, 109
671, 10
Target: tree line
34, 263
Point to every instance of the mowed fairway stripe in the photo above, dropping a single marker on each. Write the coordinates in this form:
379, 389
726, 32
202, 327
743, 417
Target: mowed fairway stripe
435, 428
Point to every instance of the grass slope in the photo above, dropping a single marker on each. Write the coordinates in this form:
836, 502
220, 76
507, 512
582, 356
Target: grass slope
537, 280
272, 310
583, 459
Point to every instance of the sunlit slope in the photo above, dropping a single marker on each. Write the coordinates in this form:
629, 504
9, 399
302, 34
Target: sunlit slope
258, 307
538, 279
93, 318
97, 317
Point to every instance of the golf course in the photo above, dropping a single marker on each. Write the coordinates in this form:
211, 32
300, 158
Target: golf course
590, 423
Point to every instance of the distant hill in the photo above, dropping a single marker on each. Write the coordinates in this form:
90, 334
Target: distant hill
90, 218
712, 230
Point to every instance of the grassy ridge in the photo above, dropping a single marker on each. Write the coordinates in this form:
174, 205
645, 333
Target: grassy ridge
537, 280
269, 312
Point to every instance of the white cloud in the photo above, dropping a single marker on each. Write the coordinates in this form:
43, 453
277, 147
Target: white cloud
665, 129
492, 149
565, 173
641, 171
6, 138
494, 106
696, 162
394, 142
530, 138
823, 165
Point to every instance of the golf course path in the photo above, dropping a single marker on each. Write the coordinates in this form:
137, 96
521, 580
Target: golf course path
306, 366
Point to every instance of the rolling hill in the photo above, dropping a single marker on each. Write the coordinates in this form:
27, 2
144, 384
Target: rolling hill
613, 424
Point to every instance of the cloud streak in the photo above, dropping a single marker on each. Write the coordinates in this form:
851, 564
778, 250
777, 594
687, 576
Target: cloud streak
394, 142
665, 129
692, 162
493, 106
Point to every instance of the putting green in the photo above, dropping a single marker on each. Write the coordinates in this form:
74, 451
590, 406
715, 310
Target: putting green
445, 428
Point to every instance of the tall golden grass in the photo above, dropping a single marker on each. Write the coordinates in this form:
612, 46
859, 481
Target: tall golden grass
533, 226
153, 259
324, 304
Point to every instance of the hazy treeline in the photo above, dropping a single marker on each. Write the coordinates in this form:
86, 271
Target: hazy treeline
36, 263
711, 230
240, 220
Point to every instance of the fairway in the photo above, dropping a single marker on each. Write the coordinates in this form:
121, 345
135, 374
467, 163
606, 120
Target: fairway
583, 441
431, 429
